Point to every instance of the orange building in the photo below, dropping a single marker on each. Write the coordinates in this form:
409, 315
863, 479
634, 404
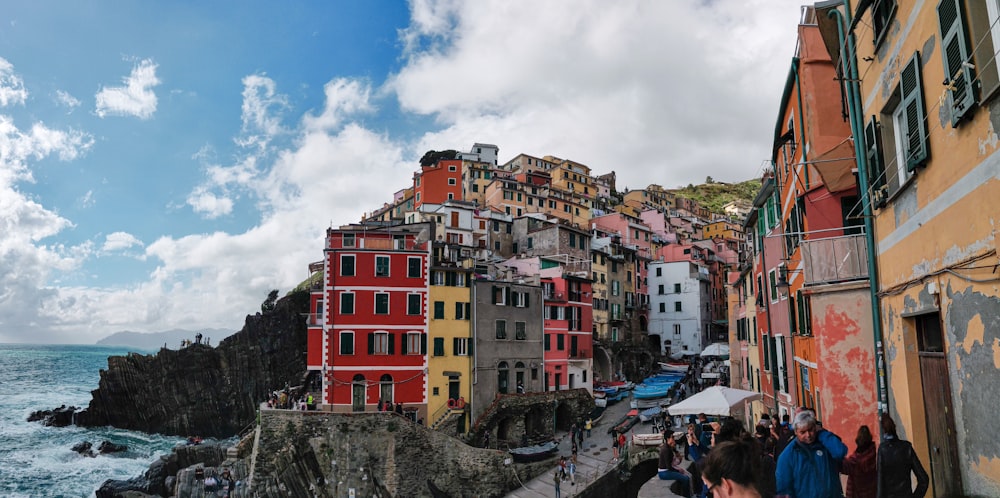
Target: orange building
438, 183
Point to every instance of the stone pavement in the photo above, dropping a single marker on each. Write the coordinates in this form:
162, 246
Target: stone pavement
594, 459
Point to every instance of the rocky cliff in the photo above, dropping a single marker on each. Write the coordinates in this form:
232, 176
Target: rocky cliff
203, 390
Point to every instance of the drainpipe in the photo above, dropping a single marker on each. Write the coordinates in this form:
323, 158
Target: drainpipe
857, 129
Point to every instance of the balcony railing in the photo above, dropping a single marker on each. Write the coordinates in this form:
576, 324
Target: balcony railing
579, 353
834, 259
314, 319
555, 296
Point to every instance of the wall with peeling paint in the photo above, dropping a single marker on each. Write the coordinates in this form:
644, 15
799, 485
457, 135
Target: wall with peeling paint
936, 244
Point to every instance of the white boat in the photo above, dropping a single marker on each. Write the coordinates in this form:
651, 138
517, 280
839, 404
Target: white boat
674, 367
654, 439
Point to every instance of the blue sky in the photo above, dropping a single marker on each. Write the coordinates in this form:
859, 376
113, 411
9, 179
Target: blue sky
164, 164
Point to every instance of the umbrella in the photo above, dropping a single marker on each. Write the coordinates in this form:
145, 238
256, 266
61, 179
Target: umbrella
716, 349
716, 400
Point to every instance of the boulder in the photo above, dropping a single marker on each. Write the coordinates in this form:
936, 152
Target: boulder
58, 417
84, 448
109, 447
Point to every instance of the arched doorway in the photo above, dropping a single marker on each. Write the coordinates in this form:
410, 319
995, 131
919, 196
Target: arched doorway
519, 376
503, 377
564, 417
358, 387
385, 388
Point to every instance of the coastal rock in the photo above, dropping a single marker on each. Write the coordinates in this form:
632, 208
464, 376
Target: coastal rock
161, 477
201, 390
84, 448
109, 447
58, 417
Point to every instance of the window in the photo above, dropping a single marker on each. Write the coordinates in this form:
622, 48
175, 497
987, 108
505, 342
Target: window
381, 266
521, 299
462, 346
882, 12
663, 307
380, 343
438, 310
955, 53
346, 265
904, 128
346, 303
412, 267
661, 290
349, 240
462, 311
500, 295
347, 342
772, 278
501, 326
659, 273
413, 302
547, 341
520, 333
677, 288
381, 303
677, 306
677, 329
572, 240
439, 346
560, 342
530, 243
452, 182
414, 343
453, 168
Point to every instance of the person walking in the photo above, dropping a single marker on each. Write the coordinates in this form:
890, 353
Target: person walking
558, 481
860, 467
896, 461
614, 445
809, 466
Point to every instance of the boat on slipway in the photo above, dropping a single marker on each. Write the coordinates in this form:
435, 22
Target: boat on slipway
526, 454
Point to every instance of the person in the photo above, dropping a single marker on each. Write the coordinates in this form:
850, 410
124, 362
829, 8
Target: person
562, 468
486, 439
589, 425
520, 387
227, 483
731, 470
558, 480
896, 461
621, 443
782, 435
860, 467
809, 466
669, 467
614, 445
571, 466
765, 440
399, 408
574, 449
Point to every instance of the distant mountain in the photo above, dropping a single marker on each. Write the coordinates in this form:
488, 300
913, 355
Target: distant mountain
156, 340
714, 195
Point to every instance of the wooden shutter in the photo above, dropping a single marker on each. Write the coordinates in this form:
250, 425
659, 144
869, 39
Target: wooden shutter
371, 343
454, 345
955, 52
873, 157
392, 343
404, 343
912, 99
468, 346
526, 301
423, 343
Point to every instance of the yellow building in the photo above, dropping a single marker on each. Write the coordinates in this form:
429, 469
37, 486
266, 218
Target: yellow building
449, 365
653, 196
723, 229
922, 83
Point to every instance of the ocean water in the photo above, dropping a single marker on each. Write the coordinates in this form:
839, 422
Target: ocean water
36, 460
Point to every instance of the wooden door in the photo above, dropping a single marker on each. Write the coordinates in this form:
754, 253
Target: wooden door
454, 388
358, 397
946, 479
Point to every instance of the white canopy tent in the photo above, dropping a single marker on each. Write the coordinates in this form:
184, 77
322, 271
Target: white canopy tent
716, 400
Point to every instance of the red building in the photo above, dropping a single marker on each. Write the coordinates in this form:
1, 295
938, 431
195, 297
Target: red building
368, 332
438, 183
569, 322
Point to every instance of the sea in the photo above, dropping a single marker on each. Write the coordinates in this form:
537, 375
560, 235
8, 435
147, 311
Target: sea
37, 461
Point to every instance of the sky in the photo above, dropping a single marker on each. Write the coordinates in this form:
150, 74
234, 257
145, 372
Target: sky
165, 164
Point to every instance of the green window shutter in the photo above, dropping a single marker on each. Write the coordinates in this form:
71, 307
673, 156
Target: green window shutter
403, 344
423, 344
392, 343
454, 345
955, 52
801, 312
912, 100
526, 301
371, 343
873, 156
468, 350
792, 322
438, 346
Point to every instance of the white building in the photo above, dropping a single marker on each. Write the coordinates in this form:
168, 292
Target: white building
679, 294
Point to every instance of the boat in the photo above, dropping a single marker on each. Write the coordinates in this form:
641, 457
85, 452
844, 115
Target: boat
626, 422
601, 402
671, 367
653, 439
648, 414
596, 415
652, 391
612, 399
534, 453
607, 390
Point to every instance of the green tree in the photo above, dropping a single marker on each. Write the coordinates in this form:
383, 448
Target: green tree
268, 304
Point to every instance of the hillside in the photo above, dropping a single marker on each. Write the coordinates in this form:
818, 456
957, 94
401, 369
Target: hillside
715, 195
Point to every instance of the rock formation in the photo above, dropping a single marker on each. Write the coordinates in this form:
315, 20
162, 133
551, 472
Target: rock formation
200, 390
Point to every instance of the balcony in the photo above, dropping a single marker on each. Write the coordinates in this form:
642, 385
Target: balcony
834, 259
579, 354
555, 296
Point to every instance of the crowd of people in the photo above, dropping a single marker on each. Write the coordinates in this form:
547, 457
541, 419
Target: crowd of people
789, 459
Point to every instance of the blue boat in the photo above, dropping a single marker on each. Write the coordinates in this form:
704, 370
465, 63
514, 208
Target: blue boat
651, 391
648, 414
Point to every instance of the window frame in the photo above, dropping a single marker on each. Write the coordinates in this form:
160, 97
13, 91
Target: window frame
354, 265
410, 268
410, 310
342, 342
353, 300
380, 267
376, 303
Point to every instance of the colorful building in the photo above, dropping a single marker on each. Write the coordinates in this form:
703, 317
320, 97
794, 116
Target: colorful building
568, 342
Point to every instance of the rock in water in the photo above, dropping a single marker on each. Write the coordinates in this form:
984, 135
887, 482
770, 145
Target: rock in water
204, 390
84, 448
109, 447
59, 417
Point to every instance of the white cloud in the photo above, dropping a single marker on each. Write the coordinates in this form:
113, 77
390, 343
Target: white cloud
262, 107
11, 86
119, 241
64, 98
209, 204
660, 92
136, 98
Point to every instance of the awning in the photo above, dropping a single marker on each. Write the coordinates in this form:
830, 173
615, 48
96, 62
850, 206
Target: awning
836, 166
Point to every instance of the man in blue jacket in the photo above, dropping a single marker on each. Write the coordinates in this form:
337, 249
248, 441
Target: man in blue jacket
809, 467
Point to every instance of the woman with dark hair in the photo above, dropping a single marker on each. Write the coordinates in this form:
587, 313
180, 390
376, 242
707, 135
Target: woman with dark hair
731, 470
859, 467
896, 460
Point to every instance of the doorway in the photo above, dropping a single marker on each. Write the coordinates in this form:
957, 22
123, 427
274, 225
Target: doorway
358, 393
946, 480
454, 388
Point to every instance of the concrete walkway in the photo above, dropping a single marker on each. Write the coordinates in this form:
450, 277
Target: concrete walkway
593, 461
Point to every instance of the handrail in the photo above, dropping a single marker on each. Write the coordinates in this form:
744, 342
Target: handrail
439, 414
